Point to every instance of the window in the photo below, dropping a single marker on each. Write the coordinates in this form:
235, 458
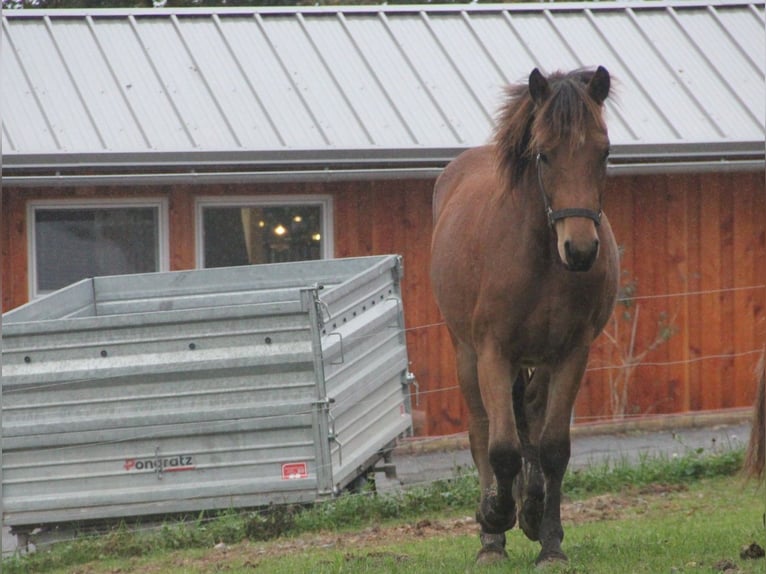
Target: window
266, 230
69, 242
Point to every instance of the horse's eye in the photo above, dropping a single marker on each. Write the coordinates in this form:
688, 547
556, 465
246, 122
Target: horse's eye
541, 157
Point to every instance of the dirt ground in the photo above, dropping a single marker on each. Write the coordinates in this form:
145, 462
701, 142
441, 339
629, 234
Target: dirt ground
598, 508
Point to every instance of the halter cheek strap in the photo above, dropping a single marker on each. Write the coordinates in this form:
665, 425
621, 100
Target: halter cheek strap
554, 216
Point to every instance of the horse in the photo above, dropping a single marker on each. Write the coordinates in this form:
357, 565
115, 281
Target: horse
755, 454
525, 270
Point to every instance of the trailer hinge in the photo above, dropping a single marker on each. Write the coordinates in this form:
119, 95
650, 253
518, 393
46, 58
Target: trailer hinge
332, 436
319, 305
324, 403
398, 270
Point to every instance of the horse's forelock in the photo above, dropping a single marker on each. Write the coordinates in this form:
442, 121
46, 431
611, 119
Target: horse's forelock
564, 117
567, 116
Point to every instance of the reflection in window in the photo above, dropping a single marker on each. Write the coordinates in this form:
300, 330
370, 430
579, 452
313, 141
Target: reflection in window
72, 244
265, 234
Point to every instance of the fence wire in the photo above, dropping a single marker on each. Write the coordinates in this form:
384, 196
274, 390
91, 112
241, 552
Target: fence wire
222, 426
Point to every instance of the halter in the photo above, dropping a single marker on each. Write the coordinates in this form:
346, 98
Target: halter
554, 216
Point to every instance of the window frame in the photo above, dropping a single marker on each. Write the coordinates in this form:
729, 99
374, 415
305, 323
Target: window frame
323, 201
160, 204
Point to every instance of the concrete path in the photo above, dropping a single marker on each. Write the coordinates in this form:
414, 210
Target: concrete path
587, 449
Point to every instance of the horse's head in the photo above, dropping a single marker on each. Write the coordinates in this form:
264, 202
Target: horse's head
568, 138
552, 135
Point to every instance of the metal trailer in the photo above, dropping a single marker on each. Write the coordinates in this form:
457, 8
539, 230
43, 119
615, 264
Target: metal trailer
176, 392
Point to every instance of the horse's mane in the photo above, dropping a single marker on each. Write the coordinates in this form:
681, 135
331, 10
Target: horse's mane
523, 128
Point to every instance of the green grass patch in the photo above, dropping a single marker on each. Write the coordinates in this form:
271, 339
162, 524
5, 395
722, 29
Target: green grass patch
699, 530
614, 475
354, 510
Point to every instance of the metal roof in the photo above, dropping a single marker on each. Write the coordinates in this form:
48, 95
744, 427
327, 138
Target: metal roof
359, 88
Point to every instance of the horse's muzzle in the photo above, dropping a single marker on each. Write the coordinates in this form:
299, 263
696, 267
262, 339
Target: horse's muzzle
579, 259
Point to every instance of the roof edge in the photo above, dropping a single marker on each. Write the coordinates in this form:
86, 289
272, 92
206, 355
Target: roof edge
337, 158
338, 165
342, 175
541, 6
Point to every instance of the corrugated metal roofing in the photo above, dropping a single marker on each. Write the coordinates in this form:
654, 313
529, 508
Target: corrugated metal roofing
366, 86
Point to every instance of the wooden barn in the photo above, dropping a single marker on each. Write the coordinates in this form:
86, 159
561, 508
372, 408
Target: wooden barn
151, 140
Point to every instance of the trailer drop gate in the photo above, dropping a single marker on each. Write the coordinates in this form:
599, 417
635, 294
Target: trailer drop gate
219, 388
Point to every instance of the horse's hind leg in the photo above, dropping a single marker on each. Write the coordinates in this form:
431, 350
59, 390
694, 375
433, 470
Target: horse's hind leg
530, 397
492, 545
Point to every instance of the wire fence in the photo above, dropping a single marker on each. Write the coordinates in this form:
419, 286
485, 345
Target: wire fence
672, 362
228, 424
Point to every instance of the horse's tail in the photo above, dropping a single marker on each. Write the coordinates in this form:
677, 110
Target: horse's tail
522, 424
755, 455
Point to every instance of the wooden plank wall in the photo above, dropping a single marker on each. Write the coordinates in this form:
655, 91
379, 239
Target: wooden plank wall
694, 245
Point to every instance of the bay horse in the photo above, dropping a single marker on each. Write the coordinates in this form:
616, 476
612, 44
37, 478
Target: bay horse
525, 270
755, 454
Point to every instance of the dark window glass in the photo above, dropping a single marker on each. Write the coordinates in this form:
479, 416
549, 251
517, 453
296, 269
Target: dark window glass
72, 244
272, 234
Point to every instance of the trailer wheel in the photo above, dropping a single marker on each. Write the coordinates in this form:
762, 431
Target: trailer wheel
363, 483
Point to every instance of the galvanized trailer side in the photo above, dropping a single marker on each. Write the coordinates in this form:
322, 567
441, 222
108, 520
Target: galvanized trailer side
176, 392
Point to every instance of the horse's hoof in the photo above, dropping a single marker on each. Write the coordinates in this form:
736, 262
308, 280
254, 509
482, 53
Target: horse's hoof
530, 517
491, 521
491, 555
492, 548
552, 558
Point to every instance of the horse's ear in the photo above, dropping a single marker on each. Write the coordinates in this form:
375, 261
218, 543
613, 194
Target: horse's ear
538, 87
599, 84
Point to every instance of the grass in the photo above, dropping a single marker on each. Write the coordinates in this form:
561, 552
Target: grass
693, 532
688, 530
693, 465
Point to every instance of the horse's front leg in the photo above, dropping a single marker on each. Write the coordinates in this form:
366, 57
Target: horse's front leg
497, 512
554, 450
492, 545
